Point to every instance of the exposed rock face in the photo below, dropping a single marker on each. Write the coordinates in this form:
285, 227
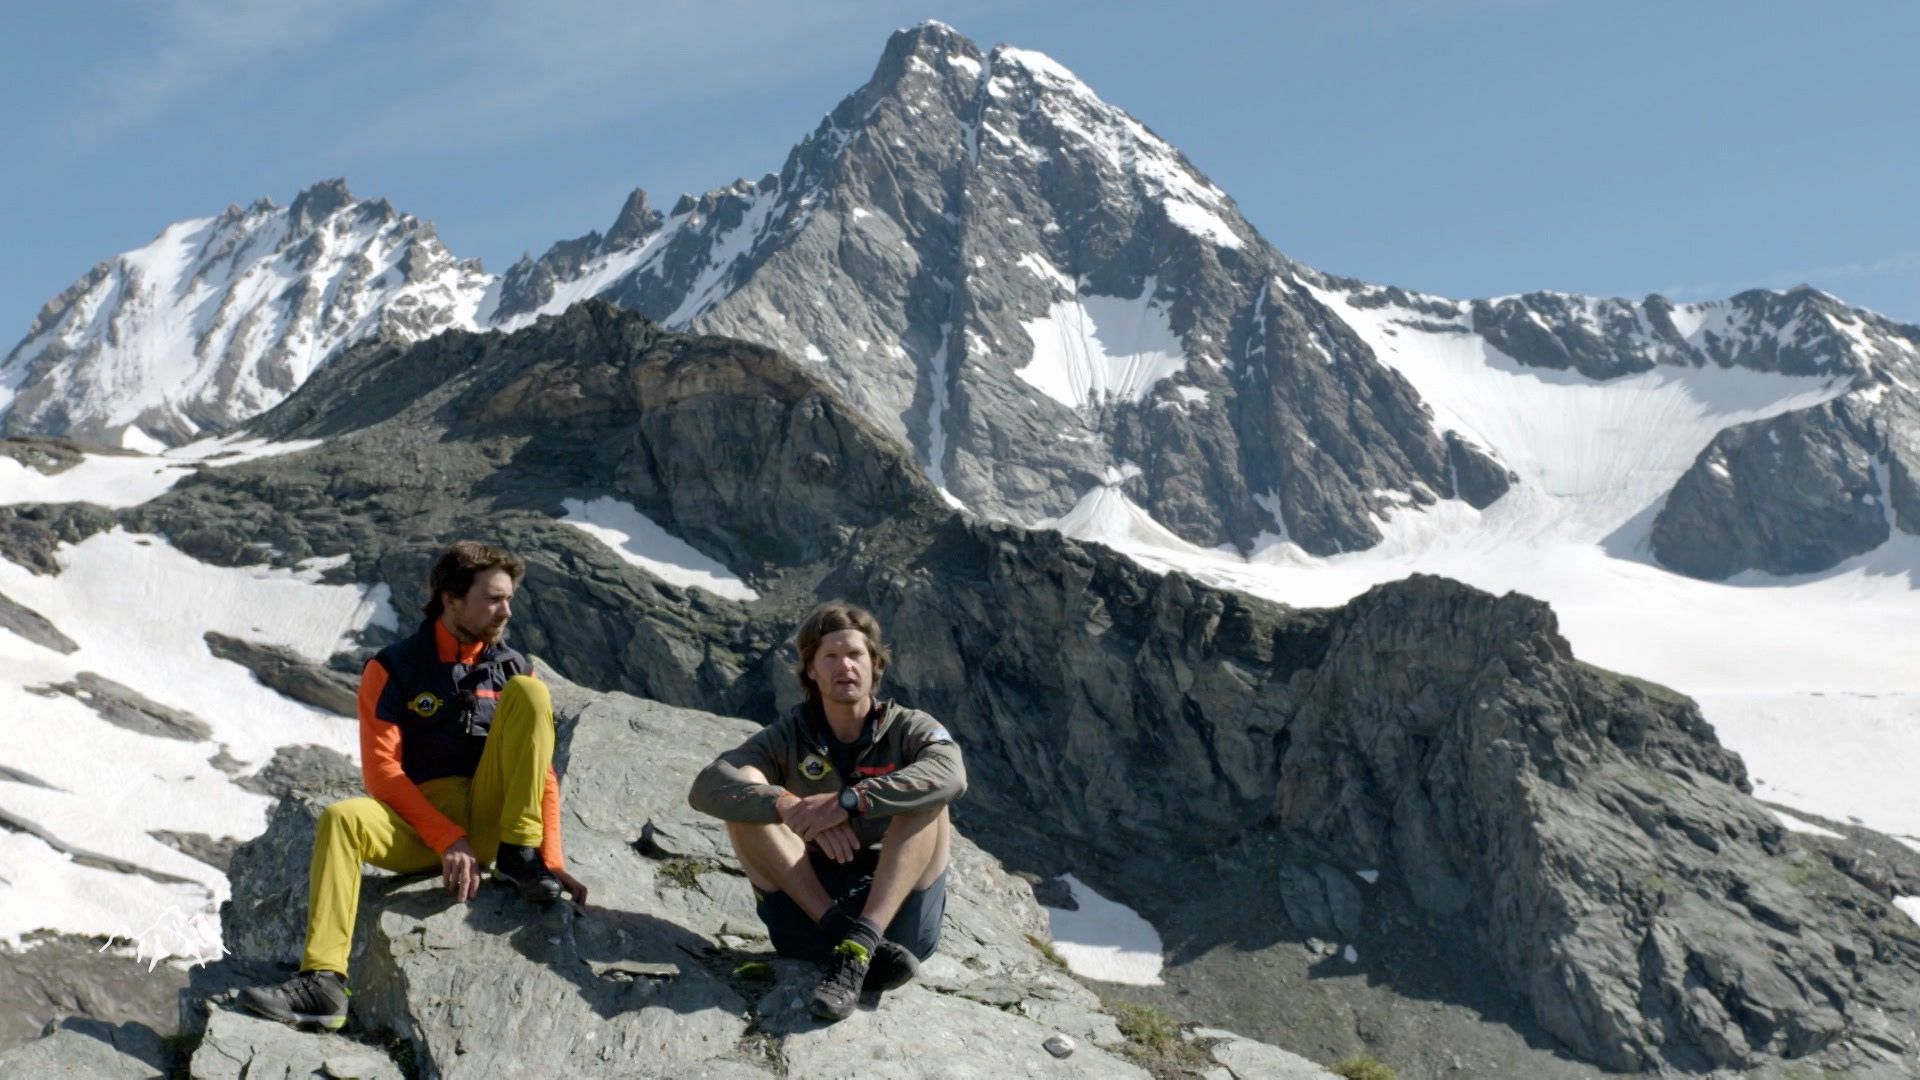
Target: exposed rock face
236, 1046
1032, 290
34, 627
97, 993
126, 708
310, 684
1798, 332
82, 1047
1585, 831
649, 980
1042, 298
1799, 493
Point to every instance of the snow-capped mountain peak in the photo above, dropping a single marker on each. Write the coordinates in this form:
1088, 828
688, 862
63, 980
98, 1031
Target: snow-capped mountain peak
219, 318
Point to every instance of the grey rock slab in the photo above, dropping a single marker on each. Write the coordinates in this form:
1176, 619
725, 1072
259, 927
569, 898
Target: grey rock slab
127, 708
236, 1046
297, 678
914, 1033
83, 1047
34, 627
1249, 1059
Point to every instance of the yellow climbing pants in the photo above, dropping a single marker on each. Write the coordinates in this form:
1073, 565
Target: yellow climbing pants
499, 804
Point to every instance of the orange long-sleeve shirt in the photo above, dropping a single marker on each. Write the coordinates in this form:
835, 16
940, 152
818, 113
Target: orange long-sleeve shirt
386, 780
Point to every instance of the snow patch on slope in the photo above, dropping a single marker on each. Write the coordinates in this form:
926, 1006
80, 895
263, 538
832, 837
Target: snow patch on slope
1093, 348
1105, 939
137, 609
640, 542
1125, 145
121, 480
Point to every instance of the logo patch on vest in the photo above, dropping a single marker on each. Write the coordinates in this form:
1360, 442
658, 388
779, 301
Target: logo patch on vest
424, 705
813, 767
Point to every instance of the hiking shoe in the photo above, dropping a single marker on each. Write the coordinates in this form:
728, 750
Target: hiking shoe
839, 989
521, 866
893, 967
311, 999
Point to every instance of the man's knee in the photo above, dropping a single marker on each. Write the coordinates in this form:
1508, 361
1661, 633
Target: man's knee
534, 693
345, 820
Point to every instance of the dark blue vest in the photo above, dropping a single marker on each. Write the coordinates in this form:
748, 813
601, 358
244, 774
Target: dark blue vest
443, 710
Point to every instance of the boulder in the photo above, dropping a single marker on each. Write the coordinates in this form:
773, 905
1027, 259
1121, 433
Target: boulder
666, 972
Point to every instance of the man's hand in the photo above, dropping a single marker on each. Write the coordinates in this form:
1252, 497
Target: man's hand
460, 869
838, 842
573, 886
810, 815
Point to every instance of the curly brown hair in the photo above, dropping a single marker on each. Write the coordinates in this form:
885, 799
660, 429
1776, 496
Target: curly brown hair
455, 569
828, 618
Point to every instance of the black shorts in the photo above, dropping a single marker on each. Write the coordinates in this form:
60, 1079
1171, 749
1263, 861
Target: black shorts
916, 925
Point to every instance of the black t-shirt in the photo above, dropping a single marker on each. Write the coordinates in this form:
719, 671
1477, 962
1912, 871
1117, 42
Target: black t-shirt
844, 755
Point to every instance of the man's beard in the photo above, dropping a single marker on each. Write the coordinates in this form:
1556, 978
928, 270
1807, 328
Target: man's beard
487, 633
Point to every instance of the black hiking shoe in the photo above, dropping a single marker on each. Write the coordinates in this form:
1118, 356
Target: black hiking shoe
839, 989
311, 999
893, 967
521, 866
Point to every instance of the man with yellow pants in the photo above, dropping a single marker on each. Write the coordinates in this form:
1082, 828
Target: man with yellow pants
456, 752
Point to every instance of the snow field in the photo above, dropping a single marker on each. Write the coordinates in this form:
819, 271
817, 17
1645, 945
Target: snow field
1094, 347
137, 609
638, 541
1809, 678
1104, 939
121, 480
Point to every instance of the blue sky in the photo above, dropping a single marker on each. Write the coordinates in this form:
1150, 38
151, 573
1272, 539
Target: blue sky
1463, 147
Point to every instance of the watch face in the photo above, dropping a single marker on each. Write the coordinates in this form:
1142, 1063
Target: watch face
849, 798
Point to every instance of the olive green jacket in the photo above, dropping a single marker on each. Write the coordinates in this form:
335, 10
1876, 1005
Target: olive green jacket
912, 764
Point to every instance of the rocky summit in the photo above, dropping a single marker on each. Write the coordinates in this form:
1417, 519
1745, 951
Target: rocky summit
667, 973
1427, 762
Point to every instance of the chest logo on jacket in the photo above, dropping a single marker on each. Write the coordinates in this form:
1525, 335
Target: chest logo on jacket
813, 767
424, 705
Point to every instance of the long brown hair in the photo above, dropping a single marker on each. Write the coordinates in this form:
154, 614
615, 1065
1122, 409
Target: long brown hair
828, 618
457, 566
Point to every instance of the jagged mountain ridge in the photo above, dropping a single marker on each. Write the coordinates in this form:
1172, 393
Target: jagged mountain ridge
1046, 301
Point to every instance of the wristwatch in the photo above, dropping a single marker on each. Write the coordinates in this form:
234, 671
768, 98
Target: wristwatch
850, 801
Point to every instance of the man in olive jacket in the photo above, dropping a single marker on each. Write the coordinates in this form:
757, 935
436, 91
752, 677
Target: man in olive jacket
838, 813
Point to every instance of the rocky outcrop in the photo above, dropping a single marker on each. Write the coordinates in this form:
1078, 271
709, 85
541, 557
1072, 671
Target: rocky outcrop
1038, 295
81, 1047
90, 996
1801, 331
282, 670
235, 1046
33, 626
1801, 492
126, 708
1584, 833
667, 972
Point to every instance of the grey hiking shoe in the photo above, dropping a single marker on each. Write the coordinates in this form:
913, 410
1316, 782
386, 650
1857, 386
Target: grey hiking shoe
311, 999
521, 866
893, 967
839, 989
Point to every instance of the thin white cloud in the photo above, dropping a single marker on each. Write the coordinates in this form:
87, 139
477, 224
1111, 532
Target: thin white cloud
196, 45
511, 69
1899, 264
